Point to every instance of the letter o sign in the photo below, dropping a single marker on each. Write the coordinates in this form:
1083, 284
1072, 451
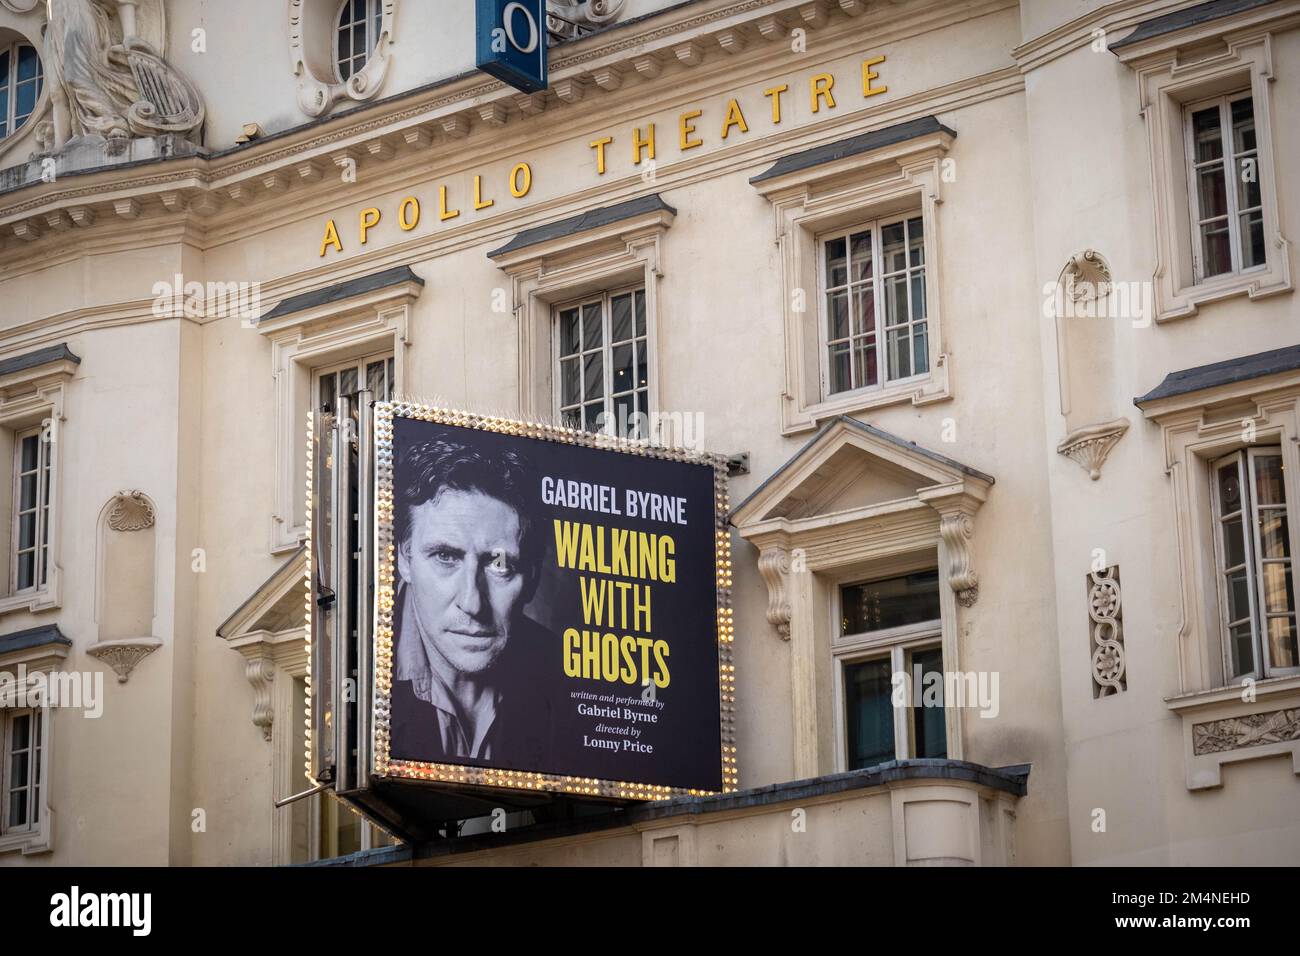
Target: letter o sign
508, 22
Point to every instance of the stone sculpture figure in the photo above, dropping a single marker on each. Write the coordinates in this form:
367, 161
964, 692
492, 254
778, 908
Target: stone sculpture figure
107, 81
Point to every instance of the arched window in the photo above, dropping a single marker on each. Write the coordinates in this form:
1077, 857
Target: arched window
21, 78
358, 32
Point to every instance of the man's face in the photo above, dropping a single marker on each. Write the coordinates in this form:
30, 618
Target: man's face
462, 564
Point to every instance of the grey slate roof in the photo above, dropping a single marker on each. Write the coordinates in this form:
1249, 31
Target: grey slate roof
32, 637
865, 142
51, 353
872, 430
1187, 17
587, 220
1224, 373
343, 290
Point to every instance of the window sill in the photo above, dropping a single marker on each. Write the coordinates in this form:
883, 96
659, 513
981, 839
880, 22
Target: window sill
917, 391
1220, 728
29, 601
1257, 284
28, 842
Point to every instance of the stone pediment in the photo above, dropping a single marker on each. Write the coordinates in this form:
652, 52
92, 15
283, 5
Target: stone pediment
856, 493
853, 469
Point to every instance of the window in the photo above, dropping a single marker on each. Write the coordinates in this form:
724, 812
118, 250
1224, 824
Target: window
21, 80
1227, 204
21, 771
874, 292
1253, 559
603, 379
31, 510
374, 372
358, 32
887, 627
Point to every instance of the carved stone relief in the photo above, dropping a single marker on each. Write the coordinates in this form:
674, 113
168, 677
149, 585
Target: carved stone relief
312, 25
1105, 613
1252, 730
957, 529
774, 567
1086, 277
1090, 444
124, 655
569, 19
131, 511
107, 77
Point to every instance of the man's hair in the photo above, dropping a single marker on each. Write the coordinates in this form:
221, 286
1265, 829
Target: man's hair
426, 469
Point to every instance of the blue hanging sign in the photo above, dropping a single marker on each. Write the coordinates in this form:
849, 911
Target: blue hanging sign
511, 37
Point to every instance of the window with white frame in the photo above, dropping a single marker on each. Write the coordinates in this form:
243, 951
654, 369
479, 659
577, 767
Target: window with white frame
357, 33
1253, 561
21, 80
602, 378
887, 627
31, 510
1227, 204
20, 811
874, 328
374, 372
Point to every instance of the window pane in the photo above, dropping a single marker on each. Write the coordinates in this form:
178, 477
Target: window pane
896, 301
27, 491
840, 379
892, 602
620, 318
348, 381
918, 295
375, 381
836, 269
1216, 248
1268, 480
28, 63
1229, 489
1207, 134
837, 316
1234, 544
900, 357
570, 381
345, 53
916, 241
642, 366
26, 102
624, 369
593, 376
864, 357
1282, 649
569, 331
624, 422
21, 730
592, 330
1238, 596
928, 729
26, 570
1243, 125
864, 309
920, 350
29, 453
868, 713
860, 250
1248, 195
1241, 648
18, 808
639, 298
18, 769
1277, 588
1274, 536
1212, 192
1252, 240
27, 527
591, 416
893, 243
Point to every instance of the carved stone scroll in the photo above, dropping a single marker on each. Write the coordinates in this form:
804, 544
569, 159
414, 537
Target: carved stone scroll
957, 529
774, 566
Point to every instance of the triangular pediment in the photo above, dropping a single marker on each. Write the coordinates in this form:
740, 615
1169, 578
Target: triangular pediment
848, 467
276, 606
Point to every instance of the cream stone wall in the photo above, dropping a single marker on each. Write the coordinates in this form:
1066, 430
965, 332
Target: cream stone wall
1050, 158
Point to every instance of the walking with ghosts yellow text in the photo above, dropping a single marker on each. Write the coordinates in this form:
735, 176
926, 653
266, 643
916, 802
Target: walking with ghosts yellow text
603, 649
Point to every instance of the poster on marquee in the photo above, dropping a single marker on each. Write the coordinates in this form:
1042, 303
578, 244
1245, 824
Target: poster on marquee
551, 606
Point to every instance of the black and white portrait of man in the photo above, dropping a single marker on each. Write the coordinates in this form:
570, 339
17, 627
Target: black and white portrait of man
468, 680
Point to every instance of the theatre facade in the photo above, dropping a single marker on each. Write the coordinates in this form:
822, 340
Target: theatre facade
984, 308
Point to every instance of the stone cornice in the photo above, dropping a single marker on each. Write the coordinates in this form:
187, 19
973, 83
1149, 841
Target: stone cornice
431, 124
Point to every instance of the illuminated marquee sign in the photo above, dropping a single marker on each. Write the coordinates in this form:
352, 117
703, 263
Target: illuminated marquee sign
723, 123
511, 42
552, 609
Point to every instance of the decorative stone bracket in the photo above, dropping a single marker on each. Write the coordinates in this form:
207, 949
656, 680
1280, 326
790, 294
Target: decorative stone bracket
124, 655
774, 566
957, 529
1090, 445
260, 672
